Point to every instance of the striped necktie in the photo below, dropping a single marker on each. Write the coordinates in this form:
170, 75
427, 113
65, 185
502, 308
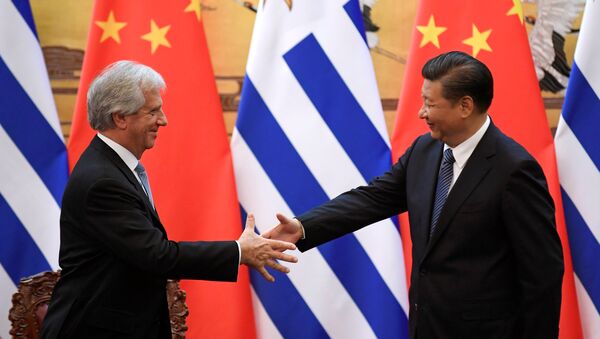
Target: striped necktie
443, 186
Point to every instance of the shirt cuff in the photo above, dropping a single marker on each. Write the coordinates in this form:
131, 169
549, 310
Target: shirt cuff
240, 252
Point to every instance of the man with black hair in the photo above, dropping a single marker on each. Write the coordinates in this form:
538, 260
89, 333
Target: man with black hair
487, 260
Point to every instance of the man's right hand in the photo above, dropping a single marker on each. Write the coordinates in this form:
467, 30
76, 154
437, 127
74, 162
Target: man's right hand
258, 252
289, 230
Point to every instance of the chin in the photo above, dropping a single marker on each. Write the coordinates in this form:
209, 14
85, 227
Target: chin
435, 135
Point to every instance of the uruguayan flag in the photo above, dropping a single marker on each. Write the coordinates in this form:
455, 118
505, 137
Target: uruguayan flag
577, 145
33, 160
310, 127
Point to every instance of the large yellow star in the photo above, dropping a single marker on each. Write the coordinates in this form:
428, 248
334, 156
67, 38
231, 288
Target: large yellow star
478, 41
517, 9
431, 33
195, 7
157, 36
111, 28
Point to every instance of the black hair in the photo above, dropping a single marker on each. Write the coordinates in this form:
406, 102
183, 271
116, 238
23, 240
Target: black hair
460, 74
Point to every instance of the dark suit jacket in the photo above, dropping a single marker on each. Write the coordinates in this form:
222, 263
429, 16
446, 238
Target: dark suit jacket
115, 256
494, 266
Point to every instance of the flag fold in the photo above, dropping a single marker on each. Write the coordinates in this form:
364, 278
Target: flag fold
310, 127
578, 156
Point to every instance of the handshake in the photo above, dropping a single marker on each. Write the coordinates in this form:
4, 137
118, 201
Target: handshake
263, 250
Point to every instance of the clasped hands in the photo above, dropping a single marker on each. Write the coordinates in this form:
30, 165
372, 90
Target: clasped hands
260, 251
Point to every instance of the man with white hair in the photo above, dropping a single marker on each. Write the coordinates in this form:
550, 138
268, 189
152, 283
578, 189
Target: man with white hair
114, 253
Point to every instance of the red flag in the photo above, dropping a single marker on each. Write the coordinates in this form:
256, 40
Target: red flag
190, 167
493, 32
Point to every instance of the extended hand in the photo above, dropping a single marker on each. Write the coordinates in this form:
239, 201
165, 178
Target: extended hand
258, 251
288, 230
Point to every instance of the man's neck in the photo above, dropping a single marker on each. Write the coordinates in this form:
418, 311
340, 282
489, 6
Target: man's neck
472, 127
117, 137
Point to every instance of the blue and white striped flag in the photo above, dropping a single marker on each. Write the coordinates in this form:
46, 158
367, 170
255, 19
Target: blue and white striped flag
577, 145
33, 159
311, 126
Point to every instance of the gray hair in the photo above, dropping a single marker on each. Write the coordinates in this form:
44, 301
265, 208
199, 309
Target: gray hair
120, 89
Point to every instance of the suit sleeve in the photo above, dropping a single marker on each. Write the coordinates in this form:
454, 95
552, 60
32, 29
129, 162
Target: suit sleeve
116, 215
528, 210
383, 197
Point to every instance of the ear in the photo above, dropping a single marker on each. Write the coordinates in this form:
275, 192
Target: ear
119, 120
467, 106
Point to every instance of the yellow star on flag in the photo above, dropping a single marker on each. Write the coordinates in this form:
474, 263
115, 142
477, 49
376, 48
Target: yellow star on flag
517, 9
195, 7
478, 41
431, 33
157, 36
111, 28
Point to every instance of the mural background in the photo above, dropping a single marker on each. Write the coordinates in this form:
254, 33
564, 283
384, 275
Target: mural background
63, 28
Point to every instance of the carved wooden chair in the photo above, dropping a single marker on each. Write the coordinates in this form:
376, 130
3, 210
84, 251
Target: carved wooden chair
30, 304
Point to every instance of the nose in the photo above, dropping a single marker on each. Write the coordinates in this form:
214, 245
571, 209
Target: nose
162, 119
422, 112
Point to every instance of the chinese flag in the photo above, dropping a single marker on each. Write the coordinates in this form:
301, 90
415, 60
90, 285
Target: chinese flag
493, 32
190, 167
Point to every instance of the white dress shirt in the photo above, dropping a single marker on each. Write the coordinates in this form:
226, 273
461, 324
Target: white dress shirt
128, 158
463, 151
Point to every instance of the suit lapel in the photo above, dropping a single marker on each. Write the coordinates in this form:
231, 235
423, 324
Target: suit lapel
429, 169
474, 171
120, 164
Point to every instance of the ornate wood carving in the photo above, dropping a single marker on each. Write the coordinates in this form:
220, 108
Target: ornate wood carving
63, 63
231, 100
178, 310
30, 304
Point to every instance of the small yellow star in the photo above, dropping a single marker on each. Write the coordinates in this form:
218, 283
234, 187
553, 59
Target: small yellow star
195, 7
157, 36
111, 28
431, 33
517, 9
478, 41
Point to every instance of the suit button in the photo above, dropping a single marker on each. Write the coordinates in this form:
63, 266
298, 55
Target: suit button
423, 272
416, 306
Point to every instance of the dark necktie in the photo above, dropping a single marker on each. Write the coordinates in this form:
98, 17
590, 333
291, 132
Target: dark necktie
141, 172
443, 186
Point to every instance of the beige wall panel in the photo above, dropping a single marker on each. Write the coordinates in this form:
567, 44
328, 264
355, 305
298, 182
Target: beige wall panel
62, 22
